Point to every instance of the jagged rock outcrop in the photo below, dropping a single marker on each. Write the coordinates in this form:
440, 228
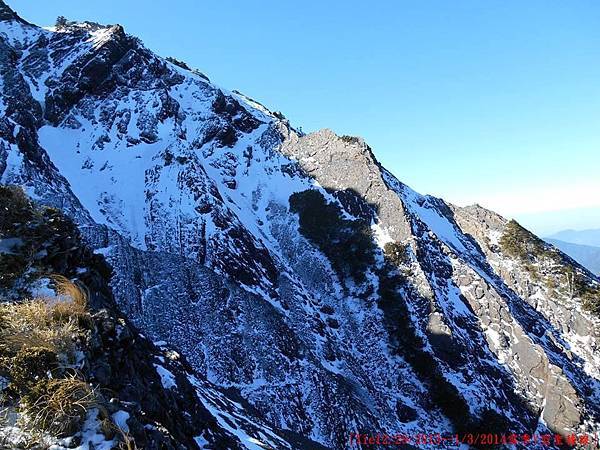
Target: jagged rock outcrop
291, 269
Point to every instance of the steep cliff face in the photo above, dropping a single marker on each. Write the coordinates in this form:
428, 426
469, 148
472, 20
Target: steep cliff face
292, 269
75, 373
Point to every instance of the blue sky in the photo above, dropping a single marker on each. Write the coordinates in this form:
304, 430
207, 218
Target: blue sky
494, 102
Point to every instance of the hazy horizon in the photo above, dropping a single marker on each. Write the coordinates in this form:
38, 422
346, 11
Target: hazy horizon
551, 222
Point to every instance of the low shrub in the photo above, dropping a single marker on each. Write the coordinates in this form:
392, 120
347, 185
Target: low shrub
520, 243
590, 296
348, 244
12, 266
111, 431
59, 406
350, 139
178, 62
15, 208
27, 367
396, 253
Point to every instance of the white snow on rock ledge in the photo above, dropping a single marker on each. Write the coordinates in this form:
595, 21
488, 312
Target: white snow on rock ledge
235, 421
91, 436
166, 377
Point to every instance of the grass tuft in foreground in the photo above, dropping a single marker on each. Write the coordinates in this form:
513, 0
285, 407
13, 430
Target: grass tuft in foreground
39, 344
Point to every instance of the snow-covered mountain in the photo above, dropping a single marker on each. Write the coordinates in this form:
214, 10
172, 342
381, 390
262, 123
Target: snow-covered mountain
293, 271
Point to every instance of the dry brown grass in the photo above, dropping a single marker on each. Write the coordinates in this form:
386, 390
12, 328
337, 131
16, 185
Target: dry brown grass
71, 303
39, 340
127, 442
59, 406
51, 324
111, 430
31, 324
77, 294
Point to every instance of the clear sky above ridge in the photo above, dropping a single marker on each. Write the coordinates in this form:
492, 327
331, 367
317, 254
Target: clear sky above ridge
495, 102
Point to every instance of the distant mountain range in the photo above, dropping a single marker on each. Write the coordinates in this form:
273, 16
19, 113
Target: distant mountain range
583, 246
586, 255
581, 237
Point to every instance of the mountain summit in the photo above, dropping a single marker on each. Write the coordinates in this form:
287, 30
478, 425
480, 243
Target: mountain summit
313, 294
7, 14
